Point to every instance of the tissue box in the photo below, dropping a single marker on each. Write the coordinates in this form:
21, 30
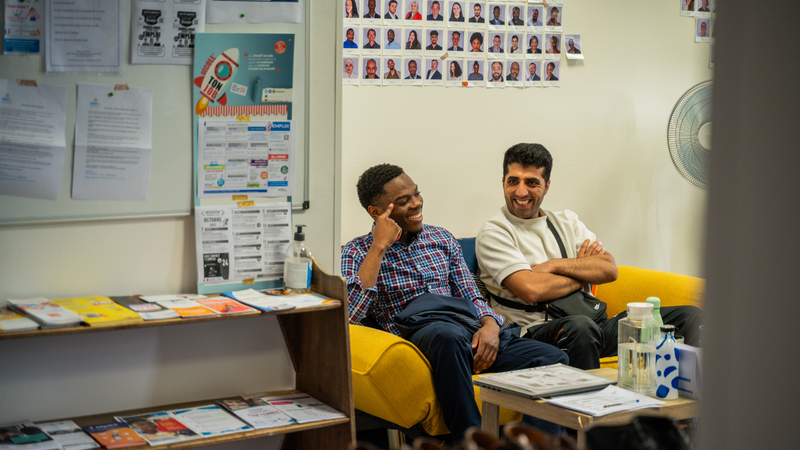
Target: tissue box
690, 377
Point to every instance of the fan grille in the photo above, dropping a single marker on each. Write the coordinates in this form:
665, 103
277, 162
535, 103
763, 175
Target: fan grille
692, 111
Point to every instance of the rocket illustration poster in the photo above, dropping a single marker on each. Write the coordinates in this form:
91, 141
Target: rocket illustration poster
245, 140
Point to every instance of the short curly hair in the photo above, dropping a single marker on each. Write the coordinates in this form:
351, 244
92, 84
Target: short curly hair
370, 184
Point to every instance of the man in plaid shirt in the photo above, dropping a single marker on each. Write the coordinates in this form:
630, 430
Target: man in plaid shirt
400, 260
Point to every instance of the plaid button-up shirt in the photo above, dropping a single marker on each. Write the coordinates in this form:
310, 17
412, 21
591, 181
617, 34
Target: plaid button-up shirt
432, 263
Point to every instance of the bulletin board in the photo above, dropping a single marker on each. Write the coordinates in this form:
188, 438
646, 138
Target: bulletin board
170, 191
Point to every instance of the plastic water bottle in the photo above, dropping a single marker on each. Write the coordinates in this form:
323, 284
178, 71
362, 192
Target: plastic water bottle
656, 302
667, 365
297, 265
638, 337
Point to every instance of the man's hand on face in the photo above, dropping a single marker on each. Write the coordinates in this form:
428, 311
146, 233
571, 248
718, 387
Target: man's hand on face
386, 230
487, 341
589, 248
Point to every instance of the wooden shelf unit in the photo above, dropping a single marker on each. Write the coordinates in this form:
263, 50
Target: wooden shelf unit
318, 343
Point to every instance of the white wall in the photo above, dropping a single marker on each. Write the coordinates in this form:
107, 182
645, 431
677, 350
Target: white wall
606, 127
125, 257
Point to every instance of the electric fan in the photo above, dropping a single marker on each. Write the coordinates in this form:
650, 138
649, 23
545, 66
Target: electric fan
689, 134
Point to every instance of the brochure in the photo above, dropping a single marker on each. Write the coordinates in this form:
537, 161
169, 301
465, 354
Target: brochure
25, 435
226, 306
187, 308
303, 408
69, 435
114, 435
146, 310
160, 428
256, 412
210, 420
99, 311
13, 321
543, 381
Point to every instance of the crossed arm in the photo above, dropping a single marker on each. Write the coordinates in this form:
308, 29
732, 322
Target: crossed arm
558, 277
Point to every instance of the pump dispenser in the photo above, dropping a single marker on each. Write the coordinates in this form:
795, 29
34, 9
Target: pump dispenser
297, 265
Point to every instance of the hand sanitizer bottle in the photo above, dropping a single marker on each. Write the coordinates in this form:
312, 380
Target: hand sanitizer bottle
297, 265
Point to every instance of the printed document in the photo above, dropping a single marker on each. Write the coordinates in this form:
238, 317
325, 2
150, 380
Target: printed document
240, 243
32, 142
113, 143
609, 400
24, 28
84, 36
253, 157
163, 32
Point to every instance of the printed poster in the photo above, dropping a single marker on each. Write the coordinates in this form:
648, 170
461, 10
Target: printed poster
162, 31
24, 27
245, 142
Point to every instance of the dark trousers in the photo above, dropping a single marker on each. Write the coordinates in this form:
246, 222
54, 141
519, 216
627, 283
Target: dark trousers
586, 342
448, 347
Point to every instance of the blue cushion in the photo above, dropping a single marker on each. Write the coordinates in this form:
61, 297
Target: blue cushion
468, 248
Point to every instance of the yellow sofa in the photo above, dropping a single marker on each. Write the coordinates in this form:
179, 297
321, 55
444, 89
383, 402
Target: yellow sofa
392, 380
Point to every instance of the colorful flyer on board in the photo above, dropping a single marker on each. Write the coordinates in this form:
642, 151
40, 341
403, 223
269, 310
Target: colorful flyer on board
24, 27
243, 99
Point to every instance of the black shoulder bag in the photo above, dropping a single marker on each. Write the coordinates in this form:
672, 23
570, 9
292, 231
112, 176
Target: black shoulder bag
578, 303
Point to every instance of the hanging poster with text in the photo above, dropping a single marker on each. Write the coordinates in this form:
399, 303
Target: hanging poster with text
245, 142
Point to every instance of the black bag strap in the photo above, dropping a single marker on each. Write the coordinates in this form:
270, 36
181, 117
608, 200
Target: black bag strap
558, 238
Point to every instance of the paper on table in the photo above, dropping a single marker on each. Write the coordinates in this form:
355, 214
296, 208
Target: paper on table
32, 139
113, 142
84, 36
610, 400
258, 300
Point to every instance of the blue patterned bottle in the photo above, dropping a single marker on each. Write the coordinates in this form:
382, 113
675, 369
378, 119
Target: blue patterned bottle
667, 365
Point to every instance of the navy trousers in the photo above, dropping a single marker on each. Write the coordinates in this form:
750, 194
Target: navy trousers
448, 347
586, 342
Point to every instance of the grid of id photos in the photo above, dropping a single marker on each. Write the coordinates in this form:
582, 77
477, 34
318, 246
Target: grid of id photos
489, 44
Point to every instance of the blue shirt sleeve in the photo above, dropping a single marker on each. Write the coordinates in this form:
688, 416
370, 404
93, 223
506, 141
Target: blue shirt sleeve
359, 299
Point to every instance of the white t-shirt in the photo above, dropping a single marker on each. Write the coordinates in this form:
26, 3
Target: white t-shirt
507, 244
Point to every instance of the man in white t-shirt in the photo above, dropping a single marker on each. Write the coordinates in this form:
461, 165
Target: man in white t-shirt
521, 265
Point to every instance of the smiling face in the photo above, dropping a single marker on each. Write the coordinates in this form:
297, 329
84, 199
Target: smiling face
534, 42
497, 71
514, 42
407, 211
350, 34
412, 36
550, 68
390, 65
514, 70
412, 68
532, 69
524, 189
348, 7
390, 35
371, 36
414, 7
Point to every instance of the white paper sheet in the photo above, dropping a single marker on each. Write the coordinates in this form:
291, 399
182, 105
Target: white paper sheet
254, 158
163, 32
609, 400
24, 27
235, 244
84, 36
113, 142
32, 140
255, 11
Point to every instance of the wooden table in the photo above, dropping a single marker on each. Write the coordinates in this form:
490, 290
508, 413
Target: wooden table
682, 408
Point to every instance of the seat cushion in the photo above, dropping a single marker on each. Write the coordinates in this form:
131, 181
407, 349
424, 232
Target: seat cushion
392, 380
